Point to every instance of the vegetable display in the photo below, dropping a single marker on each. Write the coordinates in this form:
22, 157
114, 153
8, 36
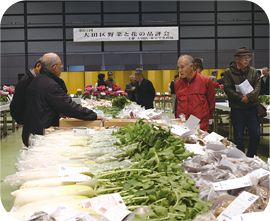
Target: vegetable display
264, 99
157, 181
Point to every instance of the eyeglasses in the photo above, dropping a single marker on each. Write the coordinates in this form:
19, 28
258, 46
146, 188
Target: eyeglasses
246, 58
62, 65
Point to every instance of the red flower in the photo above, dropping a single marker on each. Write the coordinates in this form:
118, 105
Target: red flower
216, 84
86, 92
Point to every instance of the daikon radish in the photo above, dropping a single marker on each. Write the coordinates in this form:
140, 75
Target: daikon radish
26, 211
24, 196
49, 182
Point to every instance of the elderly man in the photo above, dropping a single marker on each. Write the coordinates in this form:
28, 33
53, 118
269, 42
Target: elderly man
265, 82
243, 106
110, 81
145, 91
17, 105
213, 76
47, 99
130, 88
195, 93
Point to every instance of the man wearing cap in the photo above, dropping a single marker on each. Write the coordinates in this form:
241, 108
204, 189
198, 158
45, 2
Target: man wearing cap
110, 81
243, 106
145, 91
17, 105
198, 65
213, 76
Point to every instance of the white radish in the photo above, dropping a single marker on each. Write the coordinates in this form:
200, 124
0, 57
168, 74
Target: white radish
49, 182
24, 196
26, 211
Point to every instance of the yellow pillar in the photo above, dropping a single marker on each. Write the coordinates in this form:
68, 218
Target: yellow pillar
167, 77
206, 72
219, 72
75, 81
64, 77
91, 77
155, 76
121, 78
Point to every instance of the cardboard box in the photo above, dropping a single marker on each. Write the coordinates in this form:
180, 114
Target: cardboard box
72, 122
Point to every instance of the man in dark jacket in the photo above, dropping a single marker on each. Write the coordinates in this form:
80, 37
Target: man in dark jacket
17, 105
130, 88
243, 106
46, 99
145, 91
265, 82
173, 96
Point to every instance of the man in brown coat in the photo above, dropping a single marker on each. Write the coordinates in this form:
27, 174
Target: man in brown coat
243, 106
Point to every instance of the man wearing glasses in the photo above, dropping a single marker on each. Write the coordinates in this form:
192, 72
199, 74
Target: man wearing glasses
243, 106
47, 100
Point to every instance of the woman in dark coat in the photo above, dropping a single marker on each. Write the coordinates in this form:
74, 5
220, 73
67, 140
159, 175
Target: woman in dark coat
101, 81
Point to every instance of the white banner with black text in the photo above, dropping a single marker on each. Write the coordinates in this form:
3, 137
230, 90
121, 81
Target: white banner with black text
125, 34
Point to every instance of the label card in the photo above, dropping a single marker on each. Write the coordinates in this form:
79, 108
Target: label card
75, 178
112, 211
63, 170
95, 202
238, 206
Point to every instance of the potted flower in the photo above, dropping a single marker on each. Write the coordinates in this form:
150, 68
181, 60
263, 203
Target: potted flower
79, 93
6, 94
219, 92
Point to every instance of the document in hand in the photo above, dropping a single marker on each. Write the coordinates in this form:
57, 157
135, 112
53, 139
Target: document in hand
244, 87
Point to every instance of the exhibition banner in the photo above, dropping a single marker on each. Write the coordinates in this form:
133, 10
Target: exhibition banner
125, 34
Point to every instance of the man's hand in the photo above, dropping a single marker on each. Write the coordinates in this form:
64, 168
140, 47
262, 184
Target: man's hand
63, 116
245, 99
133, 88
101, 118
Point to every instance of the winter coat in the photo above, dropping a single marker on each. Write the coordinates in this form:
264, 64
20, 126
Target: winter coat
265, 86
46, 98
99, 83
145, 93
172, 87
17, 105
110, 82
196, 98
232, 77
131, 94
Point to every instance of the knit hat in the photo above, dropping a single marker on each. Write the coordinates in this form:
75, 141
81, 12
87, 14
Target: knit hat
198, 61
139, 71
243, 50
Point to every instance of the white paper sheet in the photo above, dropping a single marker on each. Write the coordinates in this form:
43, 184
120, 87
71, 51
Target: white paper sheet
244, 87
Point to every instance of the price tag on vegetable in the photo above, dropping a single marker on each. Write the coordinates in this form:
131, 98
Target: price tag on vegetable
238, 206
75, 178
232, 184
112, 211
241, 182
96, 202
63, 170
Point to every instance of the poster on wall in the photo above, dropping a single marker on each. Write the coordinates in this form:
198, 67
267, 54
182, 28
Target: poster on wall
125, 34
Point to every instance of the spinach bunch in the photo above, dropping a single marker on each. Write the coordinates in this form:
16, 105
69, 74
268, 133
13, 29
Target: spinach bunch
156, 182
120, 101
109, 111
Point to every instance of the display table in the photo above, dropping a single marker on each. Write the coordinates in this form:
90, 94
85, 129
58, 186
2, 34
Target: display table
4, 109
222, 108
162, 99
